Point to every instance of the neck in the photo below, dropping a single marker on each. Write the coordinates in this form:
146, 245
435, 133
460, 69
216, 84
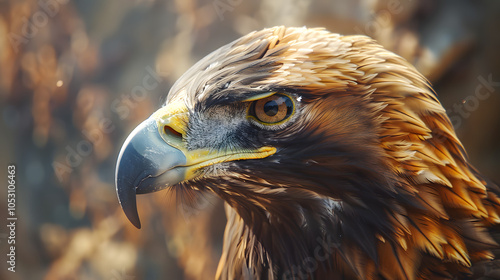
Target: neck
299, 227
306, 237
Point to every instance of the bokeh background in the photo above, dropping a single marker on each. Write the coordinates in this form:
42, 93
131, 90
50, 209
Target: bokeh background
72, 86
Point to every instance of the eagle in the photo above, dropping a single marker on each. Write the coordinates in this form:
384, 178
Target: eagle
333, 156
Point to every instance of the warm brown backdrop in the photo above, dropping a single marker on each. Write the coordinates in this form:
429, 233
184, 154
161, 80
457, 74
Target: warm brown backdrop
71, 73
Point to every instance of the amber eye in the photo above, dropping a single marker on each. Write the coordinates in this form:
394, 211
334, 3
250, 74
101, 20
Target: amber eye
273, 109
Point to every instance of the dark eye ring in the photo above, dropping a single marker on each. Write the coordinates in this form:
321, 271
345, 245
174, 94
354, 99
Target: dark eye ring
271, 110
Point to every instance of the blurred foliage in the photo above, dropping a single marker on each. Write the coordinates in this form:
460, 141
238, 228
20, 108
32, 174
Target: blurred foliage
72, 86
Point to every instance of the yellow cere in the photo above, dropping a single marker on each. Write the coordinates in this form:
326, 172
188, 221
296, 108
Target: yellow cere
176, 117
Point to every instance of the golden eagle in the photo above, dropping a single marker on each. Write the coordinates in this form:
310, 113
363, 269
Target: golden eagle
334, 158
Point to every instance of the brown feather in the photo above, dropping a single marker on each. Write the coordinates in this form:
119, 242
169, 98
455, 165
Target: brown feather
370, 166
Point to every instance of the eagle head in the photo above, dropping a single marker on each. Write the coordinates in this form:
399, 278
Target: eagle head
314, 138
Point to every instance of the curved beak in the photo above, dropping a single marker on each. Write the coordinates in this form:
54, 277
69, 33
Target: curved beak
155, 156
146, 164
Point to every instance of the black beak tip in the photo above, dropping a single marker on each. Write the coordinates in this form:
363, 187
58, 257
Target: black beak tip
136, 223
133, 217
128, 202
126, 193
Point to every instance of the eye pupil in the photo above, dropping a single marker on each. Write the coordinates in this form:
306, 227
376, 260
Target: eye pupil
271, 108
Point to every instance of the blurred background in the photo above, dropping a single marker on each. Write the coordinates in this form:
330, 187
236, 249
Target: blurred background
77, 76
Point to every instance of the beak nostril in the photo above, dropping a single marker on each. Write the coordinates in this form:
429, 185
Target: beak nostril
169, 131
